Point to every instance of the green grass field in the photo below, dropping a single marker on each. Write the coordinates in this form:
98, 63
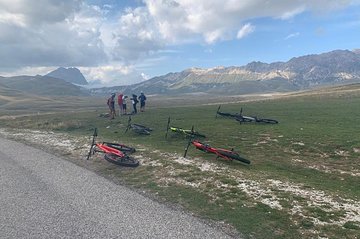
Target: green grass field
303, 181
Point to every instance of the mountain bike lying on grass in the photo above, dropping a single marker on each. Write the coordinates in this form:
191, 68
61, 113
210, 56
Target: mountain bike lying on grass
219, 152
137, 128
244, 119
114, 153
186, 132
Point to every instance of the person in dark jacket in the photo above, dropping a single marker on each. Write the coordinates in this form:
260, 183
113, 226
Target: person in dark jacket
134, 102
142, 99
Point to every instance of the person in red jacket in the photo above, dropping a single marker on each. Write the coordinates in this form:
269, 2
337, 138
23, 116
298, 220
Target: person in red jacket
120, 103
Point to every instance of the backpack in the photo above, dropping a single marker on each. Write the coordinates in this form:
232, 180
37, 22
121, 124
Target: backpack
135, 99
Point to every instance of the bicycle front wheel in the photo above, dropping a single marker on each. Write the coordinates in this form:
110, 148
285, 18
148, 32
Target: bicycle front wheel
234, 156
122, 161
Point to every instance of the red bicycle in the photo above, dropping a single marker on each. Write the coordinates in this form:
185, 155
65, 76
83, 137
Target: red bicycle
113, 152
219, 152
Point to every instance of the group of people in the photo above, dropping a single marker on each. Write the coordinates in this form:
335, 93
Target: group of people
122, 101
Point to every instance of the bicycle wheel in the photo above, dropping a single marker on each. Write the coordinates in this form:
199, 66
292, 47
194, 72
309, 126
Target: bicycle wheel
122, 161
233, 155
268, 121
120, 147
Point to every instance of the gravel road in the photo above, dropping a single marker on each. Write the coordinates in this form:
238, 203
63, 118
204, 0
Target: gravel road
44, 196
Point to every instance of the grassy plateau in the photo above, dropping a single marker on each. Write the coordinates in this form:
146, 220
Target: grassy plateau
304, 176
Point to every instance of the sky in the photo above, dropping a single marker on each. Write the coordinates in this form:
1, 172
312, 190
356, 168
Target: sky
119, 42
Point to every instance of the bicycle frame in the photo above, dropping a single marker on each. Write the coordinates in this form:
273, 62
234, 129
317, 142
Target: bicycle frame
187, 132
219, 152
243, 119
208, 149
102, 147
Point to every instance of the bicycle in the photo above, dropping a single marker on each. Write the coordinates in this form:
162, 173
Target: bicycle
113, 152
219, 152
186, 132
137, 128
244, 119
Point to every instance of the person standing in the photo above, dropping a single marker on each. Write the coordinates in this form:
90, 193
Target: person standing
111, 104
120, 103
142, 99
134, 102
125, 98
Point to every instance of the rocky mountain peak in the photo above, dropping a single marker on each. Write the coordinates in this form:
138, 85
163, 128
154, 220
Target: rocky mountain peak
71, 74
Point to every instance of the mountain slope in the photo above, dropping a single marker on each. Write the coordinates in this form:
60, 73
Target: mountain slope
41, 85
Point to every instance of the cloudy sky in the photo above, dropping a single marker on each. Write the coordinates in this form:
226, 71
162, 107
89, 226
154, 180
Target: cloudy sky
118, 42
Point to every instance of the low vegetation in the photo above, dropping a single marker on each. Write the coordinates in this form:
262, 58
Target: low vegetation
303, 181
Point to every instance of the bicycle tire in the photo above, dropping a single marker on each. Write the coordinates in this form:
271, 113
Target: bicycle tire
268, 121
234, 156
121, 161
120, 147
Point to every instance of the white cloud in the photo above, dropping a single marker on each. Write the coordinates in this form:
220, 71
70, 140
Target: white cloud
40, 11
245, 30
135, 36
41, 34
162, 23
292, 35
49, 33
27, 71
114, 74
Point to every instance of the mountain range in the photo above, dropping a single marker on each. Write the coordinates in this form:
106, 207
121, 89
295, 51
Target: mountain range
299, 73
339, 67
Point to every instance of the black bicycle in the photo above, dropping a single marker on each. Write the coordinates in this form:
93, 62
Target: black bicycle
245, 119
137, 128
187, 132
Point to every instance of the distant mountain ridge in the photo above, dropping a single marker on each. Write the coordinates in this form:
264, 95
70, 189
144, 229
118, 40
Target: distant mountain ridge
332, 68
41, 85
72, 75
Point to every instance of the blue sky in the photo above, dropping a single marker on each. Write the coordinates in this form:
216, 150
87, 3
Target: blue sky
116, 42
